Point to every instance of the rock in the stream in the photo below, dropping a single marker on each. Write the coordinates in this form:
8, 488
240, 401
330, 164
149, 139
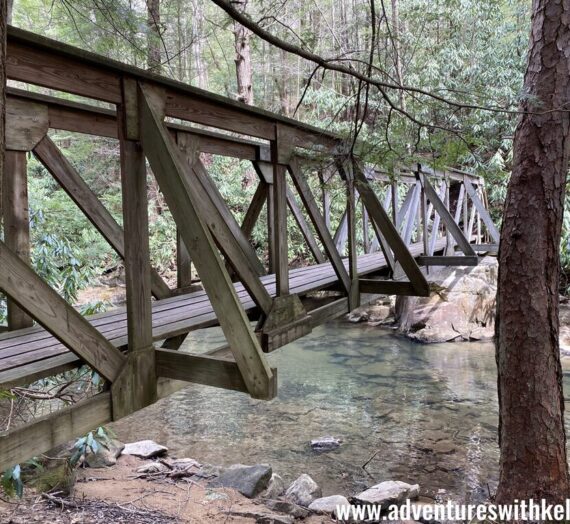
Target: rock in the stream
106, 455
388, 492
290, 508
303, 491
276, 487
461, 305
250, 481
145, 449
328, 504
358, 315
325, 443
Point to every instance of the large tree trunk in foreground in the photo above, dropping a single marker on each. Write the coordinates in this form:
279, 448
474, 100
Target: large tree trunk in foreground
531, 433
243, 59
3, 21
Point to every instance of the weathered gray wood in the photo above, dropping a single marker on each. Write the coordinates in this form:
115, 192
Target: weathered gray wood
388, 287
412, 214
15, 207
304, 227
135, 387
436, 219
354, 295
45, 433
448, 260
233, 250
341, 234
328, 312
26, 124
66, 175
445, 215
365, 230
254, 209
395, 242
227, 216
199, 369
319, 223
31, 293
459, 206
172, 172
483, 213
183, 264
403, 211
280, 232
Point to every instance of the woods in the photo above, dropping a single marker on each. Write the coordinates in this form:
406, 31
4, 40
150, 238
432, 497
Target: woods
240, 214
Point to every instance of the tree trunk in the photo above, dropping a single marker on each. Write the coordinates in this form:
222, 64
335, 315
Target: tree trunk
3, 22
198, 44
531, 430
243, 59
397, 54
10, 7
154, 37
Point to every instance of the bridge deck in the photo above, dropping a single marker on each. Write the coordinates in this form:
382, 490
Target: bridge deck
33, 353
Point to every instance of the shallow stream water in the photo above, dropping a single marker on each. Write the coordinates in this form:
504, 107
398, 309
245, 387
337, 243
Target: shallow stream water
424, 414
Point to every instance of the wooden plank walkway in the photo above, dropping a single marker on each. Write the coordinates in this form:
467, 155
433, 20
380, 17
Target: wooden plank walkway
29, 354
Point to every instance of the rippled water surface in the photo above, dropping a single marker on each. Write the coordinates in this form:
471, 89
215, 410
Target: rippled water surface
421, 413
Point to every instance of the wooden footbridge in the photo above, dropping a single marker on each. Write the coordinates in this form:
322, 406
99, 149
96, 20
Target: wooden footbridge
407, 222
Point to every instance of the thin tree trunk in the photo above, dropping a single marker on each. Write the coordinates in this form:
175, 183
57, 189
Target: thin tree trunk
243, 59
154, 38
397, 54
10, 8
531, 431
198, 44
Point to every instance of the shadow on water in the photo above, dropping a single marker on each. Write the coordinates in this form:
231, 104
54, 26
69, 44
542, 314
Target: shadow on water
417, 413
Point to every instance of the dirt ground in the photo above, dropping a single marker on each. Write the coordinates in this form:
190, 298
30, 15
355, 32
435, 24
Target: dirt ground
113, 495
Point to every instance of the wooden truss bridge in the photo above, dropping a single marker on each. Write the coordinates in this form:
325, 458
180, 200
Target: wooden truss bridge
418, 219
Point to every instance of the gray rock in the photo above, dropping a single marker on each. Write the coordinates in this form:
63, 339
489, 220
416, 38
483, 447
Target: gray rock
303, 491
325, 443
276, 487
186, 464
290, 508
248, 480
328, 504
106, 455
145, 449
388, 492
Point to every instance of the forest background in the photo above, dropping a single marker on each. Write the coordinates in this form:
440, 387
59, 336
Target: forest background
472, 52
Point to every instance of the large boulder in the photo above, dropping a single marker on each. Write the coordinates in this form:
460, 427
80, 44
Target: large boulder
328, 505
250, 481
460, 307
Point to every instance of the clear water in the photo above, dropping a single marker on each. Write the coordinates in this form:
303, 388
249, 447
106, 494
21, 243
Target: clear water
425, 414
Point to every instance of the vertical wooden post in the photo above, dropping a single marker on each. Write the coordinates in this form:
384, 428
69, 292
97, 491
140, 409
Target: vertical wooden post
280, 247
449, 243
135, 387
326, 198
354, 295
424, 223
16, 222
183, 263
465, 212
272, 253
365, 229
394, 188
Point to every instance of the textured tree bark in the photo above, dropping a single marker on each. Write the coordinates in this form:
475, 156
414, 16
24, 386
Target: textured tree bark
154, 38
3, 22
243, 59
200, 67
531, 430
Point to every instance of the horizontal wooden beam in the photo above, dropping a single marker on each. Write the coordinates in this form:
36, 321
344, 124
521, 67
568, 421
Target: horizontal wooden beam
45, 433
41, 61
387, 287
328, 312
448, 260
199, 369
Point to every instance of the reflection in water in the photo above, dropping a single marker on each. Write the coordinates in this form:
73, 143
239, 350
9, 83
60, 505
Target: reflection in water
428, 414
